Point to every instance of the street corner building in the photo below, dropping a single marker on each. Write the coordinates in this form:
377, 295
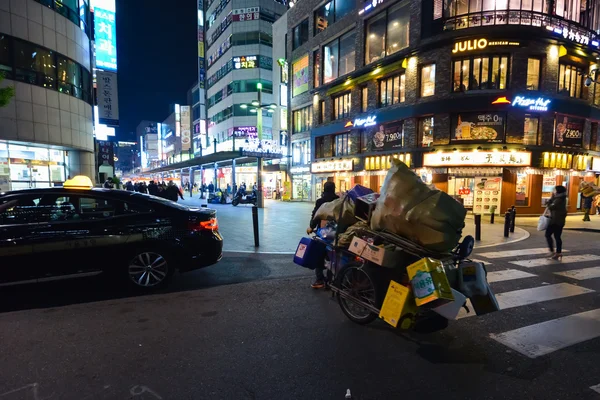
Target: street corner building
493, 102
46, 131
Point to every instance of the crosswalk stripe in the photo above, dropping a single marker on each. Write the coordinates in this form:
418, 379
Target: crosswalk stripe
537, 262
507, 275
581, 274
512, 253
546, 337
596, 388
524, 297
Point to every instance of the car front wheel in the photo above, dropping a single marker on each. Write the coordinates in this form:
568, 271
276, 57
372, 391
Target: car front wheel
149, 269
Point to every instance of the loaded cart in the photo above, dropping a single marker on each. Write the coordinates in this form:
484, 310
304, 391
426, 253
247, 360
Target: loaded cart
397, 256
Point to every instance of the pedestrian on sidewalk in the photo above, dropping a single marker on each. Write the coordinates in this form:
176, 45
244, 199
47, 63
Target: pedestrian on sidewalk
327, 196
586, 203
557, 206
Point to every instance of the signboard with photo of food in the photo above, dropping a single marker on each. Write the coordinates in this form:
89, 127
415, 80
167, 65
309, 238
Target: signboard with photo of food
568, 131
479, 127
387, 137
487, 196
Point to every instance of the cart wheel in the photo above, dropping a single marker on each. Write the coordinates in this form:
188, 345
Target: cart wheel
360, 284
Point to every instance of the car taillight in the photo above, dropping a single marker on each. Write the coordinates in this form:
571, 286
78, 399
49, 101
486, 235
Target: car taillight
210, 225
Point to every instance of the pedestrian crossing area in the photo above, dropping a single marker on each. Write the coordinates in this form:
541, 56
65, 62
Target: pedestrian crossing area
529, 272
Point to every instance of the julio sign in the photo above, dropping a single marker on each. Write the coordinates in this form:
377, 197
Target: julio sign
105, 32
480, 44
532, 103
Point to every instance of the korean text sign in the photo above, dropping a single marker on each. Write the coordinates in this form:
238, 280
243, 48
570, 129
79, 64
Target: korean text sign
105, 32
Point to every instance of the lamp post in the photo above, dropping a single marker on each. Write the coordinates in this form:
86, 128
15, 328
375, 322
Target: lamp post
257, 107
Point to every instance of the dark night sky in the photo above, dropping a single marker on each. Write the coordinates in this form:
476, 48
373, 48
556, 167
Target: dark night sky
157, 58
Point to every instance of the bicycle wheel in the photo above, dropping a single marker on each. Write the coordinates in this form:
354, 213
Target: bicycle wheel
358, 283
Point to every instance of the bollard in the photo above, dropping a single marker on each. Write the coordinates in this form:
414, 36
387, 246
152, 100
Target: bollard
513, 216
255, 225
506, 223
477, 226
493, 214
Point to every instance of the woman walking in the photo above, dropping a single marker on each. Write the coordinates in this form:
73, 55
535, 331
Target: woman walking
557, 205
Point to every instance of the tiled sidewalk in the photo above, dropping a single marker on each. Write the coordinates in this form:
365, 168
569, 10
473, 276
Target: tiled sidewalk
282, 224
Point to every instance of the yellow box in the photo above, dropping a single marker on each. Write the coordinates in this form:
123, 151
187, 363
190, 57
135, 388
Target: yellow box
429, 282
397, 303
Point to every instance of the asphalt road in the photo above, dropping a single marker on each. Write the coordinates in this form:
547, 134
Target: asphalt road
251, 328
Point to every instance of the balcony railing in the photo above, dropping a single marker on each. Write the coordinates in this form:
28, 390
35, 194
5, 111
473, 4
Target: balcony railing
559, 26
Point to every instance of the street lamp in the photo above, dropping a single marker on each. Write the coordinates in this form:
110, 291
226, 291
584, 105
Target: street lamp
256, 107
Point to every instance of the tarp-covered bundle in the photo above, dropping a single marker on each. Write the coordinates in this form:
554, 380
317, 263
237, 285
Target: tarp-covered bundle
408, 207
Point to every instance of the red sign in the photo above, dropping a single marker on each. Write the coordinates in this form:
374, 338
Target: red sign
246, 14
464, 191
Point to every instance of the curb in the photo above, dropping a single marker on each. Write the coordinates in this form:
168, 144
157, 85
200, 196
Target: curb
509, 241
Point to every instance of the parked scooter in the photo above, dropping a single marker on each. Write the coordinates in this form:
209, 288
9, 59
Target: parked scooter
218, 197
243, 198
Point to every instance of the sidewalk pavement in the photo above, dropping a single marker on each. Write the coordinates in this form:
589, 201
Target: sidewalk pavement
574, 222
282, 224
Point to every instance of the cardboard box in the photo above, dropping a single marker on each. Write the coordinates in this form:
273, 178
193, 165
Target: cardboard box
375, 254
429, 282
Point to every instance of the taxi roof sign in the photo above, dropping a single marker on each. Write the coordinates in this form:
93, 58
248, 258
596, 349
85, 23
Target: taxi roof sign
79, 182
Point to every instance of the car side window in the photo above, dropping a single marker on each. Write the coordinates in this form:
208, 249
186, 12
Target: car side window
53, 207
20, 210
132, 208
93, 208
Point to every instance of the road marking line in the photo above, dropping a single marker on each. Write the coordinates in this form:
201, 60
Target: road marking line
546, 337
512, 253
524, 297
537, 262
596, 388
507, 275
581, 274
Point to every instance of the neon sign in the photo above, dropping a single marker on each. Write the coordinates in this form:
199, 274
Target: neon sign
371, 120
539, 104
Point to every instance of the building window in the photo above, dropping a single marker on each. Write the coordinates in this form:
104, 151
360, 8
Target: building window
5, 56
300, 34
531, 130
341, 106
316, 68
428, 80
480, 73
387, 33
322, 111
302, 119
324, 146
426, 131
570, 80
69, 77
330, 12
364, 105
341, 145
301, 152
533, 73
339, 57
35, 65
392, 90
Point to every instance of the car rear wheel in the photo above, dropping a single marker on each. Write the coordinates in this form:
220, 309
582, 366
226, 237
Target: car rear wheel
149, 269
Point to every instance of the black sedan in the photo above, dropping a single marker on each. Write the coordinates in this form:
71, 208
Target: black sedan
57, 233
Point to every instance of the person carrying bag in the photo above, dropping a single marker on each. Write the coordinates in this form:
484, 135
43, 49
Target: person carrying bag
557, 206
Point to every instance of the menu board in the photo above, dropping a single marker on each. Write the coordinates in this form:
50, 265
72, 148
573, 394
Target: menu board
388, 137
488, 193
568, 131
486, 127
548, 185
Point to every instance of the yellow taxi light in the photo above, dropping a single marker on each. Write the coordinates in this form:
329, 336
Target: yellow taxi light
79, 182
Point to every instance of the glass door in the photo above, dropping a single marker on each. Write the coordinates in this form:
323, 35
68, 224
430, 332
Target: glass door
462, 189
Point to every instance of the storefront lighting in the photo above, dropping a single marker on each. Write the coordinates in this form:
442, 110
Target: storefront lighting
376, 71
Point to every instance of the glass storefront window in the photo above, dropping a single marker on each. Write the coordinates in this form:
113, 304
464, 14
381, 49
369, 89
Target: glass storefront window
428, 80
533, 73
570, 80
522, 198
475, 73
426, 131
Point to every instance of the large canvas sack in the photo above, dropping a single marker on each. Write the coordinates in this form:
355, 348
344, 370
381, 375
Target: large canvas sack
408, 207
340, 210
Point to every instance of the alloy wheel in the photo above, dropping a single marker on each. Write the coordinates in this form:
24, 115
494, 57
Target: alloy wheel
148, 269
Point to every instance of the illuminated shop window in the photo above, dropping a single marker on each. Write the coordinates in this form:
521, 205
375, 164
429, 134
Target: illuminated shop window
428, 80
392, 90
339, 57
387, 32
533, 73
570, 80
480, 73
426, 131
341, 106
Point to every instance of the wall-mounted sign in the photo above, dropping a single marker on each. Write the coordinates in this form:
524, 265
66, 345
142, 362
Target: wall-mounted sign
532, 103
300, 76
480, 44
371, 120
299, 170
261, 148
568, 131
501, 100
478, 158
557, 160
186, 134
244, 62
108, 98
246, 14
388, 137
385, 162
244, 131
105, 32
331, 166
479, 127
570, 34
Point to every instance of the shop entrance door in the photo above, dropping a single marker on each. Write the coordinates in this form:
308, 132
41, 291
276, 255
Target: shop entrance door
27, 176
462, 189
